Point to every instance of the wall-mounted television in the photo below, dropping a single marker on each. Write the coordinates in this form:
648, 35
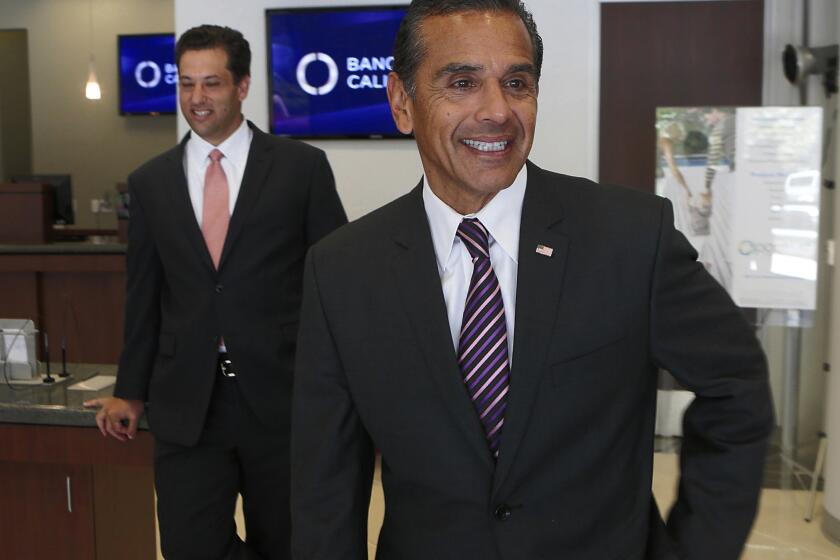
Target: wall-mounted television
328, 70
148, 76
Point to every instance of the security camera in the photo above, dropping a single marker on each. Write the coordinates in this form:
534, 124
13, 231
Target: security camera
800, 62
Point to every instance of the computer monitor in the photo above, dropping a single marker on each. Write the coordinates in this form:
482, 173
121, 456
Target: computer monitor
63, 194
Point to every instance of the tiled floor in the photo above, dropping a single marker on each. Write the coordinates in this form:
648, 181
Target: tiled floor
780, 532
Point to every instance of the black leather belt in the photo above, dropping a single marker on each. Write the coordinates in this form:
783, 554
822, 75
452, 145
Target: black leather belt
226, 366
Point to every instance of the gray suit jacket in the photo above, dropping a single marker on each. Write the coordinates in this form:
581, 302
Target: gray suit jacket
621, 296
178, 304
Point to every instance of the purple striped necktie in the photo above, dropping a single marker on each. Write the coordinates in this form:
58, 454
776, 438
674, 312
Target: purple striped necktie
482, 346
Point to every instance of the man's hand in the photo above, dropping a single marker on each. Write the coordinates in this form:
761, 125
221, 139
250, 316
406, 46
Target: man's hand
117, 417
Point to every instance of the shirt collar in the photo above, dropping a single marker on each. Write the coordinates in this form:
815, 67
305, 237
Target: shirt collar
235, 147
501, 216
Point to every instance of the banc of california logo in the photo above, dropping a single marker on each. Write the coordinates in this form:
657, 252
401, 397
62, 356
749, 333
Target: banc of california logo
332, 79
156, 74
148, 74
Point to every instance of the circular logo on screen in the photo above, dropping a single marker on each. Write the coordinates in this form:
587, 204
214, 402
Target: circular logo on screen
332, 78
155, 77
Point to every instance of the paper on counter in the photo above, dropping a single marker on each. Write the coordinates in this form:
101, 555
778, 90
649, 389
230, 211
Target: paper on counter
95, 383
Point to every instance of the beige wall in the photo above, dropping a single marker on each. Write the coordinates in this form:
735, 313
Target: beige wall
370, 173
71, 134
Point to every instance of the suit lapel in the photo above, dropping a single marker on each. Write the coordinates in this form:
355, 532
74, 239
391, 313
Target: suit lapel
182, 205
415, 270
253, 181
539, 285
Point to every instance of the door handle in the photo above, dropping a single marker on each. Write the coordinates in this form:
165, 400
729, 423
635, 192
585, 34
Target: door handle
69, 496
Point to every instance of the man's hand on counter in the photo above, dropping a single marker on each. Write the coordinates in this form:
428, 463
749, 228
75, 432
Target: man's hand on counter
117, 417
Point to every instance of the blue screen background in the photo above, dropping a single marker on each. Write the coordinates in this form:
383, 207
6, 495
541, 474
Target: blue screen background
362, 32
159, 49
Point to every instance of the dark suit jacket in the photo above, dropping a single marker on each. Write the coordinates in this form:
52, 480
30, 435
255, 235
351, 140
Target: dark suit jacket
178, 304
621, 296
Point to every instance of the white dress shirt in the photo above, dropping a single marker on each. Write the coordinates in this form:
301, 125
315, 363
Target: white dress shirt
197, 157
501, 216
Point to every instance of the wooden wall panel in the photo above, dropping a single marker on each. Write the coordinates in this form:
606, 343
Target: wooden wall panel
19, 295
72, 446
35, 520
79, 295
88, 307
26, 213
113, 489
111, 494
670, 54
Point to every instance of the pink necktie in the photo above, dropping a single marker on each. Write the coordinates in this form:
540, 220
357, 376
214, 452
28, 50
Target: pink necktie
215, 214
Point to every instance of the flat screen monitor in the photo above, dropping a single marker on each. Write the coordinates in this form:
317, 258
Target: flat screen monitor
148, 75
63, 189
328, 70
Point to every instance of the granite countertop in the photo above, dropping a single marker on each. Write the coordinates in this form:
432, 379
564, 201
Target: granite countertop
65, 248
53, 404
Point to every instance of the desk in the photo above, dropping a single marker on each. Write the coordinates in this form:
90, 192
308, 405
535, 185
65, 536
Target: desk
76, 289
66, 491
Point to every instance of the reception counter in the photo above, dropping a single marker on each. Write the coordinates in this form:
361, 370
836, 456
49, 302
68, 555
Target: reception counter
74, 291
65, 248
66, 491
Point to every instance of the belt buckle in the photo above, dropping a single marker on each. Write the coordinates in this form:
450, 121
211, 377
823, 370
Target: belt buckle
227, 368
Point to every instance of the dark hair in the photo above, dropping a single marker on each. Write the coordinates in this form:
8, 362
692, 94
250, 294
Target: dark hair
214, 37
695, 143
409, 49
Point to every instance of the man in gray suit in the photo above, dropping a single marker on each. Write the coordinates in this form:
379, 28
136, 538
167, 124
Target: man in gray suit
220, 225
496, 335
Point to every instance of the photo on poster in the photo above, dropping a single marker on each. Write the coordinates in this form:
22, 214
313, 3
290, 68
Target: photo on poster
695, 166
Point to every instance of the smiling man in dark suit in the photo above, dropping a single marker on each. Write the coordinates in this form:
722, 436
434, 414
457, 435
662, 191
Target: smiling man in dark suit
496, 334
219, 229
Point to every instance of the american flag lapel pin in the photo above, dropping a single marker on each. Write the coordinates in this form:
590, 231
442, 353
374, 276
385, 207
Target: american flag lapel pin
544, 250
